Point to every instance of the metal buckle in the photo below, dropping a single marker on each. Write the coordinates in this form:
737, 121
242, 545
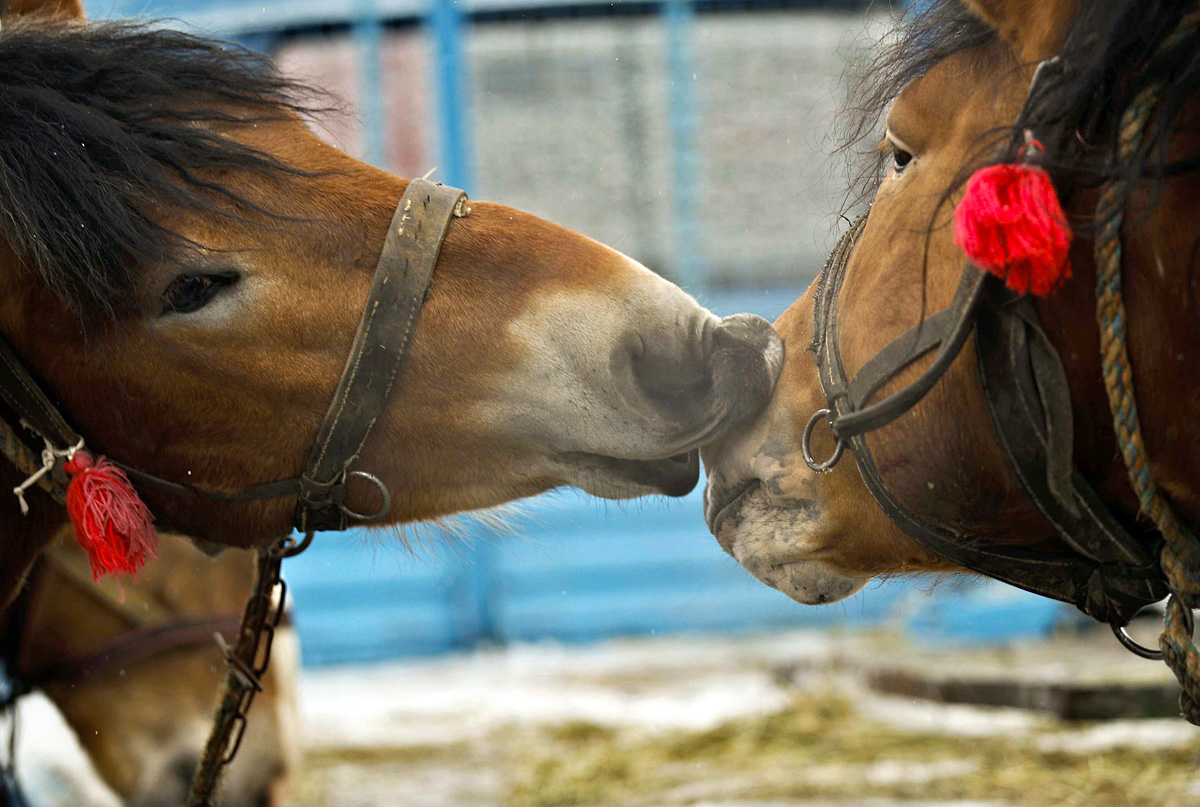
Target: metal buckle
826, 466
1141, 650
383, 492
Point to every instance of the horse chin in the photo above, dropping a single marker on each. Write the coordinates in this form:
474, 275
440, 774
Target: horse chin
776, 544
615, 478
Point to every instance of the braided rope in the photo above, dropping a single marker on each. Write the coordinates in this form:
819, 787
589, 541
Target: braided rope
1181, 551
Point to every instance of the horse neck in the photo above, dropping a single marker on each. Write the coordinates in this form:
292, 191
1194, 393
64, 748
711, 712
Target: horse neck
1163, 328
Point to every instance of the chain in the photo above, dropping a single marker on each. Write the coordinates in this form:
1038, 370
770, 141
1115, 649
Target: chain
247, 663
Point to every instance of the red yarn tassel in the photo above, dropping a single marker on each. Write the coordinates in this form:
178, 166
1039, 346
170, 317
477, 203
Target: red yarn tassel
1011, 223
112, 524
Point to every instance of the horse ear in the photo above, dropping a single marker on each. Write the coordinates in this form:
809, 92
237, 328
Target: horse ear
1034, 29
54, 9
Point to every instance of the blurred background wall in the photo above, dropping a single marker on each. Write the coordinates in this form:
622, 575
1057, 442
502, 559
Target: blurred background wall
693, 137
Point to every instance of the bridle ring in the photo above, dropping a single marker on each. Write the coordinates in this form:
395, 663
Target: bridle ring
1141, 650
383, 491
826, 466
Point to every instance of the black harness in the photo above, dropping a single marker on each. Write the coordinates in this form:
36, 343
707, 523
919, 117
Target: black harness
1108, 573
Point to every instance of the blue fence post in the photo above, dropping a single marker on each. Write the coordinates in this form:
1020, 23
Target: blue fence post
679, 17
368, 39
447, 20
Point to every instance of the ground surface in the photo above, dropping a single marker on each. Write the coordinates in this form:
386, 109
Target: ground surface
773, 721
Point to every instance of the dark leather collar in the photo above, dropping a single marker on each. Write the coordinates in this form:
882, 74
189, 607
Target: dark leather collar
401, 284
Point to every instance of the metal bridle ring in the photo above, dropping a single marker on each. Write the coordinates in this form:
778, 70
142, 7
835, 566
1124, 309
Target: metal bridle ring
826, 466
383, 491
1141, 650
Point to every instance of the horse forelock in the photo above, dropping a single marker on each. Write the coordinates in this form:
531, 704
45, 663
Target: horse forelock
1074, 112
103, 127
917, 41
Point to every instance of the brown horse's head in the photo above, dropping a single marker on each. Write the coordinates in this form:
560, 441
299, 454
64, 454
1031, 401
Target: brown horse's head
184, 265
144, 722
961, 72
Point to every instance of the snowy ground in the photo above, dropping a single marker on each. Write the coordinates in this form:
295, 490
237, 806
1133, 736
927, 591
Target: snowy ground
780, 720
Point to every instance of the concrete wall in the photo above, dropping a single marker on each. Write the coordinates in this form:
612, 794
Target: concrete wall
569, 119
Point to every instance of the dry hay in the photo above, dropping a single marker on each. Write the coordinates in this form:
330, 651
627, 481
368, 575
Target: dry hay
821, 748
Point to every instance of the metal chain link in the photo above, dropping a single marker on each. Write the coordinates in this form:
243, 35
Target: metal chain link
247, 663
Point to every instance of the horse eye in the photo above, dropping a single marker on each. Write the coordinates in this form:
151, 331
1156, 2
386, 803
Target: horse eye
900, 160
188, 293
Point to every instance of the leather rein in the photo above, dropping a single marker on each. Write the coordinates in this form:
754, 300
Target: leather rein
389, 320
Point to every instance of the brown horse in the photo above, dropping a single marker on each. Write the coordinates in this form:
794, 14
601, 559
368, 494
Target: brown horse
134, 671
183, 266
955, 84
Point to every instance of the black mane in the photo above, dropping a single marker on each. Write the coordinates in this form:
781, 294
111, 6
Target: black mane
101, 125
1111, 53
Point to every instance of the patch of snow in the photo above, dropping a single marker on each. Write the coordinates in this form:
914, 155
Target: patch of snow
53, 769
431, 702
944, 718
1145, 735
895, 772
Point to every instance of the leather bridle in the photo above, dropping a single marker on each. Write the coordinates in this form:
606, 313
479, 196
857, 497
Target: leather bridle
400, 288
389, 319
1108, 573
152, 631
1105, 570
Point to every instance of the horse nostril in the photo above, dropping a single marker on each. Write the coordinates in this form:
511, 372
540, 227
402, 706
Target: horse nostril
747, 358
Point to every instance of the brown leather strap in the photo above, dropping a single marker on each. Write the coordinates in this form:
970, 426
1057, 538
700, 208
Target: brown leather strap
25, 397
133, 647
401, 281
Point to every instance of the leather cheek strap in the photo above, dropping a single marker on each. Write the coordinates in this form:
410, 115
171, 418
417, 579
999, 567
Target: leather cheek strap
389, 320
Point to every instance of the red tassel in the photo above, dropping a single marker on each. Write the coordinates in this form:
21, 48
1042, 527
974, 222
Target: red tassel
112, 524
1011, 223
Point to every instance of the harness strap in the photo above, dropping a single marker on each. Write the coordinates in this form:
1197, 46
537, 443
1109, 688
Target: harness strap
31, 405
1028, 400
401, 282
1115, 577
133, 647
956, 323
